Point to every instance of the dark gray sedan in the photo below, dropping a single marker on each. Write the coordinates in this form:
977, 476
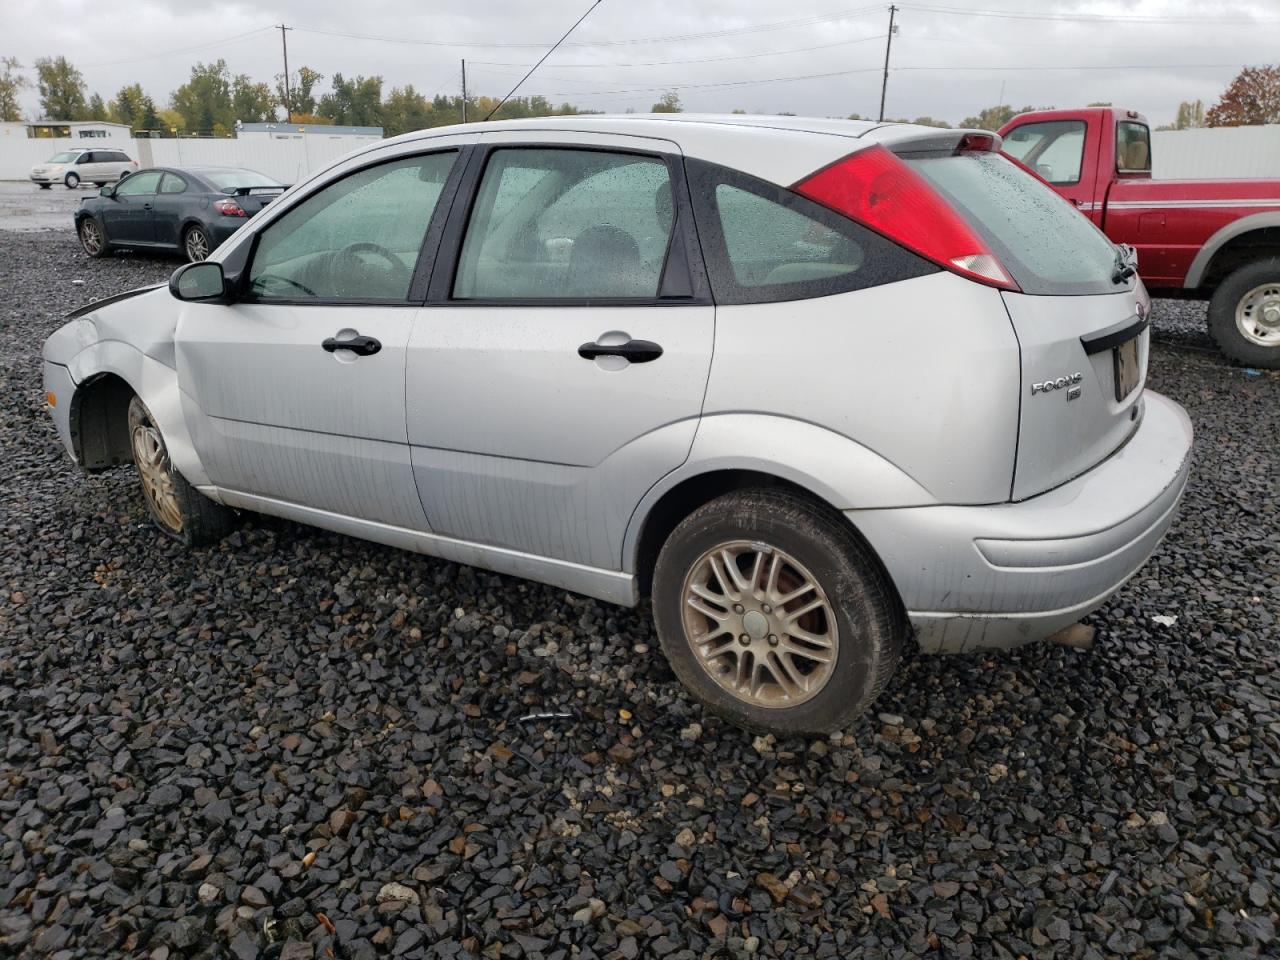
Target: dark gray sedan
189, 210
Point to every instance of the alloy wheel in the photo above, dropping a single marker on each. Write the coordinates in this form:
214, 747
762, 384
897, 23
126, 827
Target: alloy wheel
760, 624
197, 245
91, 238
155, 471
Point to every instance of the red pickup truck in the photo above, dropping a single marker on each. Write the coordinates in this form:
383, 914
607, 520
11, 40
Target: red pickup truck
1215, 240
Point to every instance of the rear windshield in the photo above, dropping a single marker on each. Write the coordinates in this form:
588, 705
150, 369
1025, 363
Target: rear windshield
229, 180
1045, 243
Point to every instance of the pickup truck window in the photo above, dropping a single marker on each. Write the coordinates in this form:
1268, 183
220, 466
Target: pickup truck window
1053, 148
1133, 147
1040, 238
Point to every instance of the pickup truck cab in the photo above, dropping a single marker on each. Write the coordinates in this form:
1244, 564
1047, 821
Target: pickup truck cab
1215, 240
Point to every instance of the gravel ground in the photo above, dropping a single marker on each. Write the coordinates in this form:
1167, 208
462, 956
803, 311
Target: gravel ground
297, 745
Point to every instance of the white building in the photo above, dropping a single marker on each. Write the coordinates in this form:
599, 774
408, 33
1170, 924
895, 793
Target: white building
86, 133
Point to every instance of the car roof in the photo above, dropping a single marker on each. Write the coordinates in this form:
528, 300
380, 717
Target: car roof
782, 149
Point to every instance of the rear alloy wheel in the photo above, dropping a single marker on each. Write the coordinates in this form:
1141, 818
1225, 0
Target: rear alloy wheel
1244, 315
195, 243
72, 181
177, 508
91, 238
774, 614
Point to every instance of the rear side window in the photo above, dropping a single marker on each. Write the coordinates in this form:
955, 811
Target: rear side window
567, 224
1044, 242
765, 244
1133, 147
1053, 148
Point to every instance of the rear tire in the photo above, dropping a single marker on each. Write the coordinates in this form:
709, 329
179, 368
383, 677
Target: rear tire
45, 186
99, 184
817, 633
177, 508
1244, 314
72, 181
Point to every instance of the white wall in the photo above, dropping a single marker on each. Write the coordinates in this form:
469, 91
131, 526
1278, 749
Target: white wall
1216, 153
287, 160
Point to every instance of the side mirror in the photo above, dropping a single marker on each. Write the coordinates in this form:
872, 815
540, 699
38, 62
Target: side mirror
108, 191
198, 281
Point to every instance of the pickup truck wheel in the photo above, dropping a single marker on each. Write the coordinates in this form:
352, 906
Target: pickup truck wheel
1244, 314
774, 615
177, 508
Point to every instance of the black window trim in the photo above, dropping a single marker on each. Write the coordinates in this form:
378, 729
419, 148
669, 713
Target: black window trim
1084, 142
238, 278
186, 185
705, 176
683, 281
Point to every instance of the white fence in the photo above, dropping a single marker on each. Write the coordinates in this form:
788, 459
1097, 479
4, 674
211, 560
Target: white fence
287, 158
1216, 153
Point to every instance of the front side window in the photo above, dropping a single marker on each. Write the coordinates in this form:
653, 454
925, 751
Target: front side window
356, 239
1054, 149
139, 184
68, 156
766, 244
567, 224
1133, 147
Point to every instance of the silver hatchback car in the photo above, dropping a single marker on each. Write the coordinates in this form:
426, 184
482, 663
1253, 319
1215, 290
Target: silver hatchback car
812, 386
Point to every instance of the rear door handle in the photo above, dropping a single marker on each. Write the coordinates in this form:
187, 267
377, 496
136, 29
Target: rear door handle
363, 346
637, 351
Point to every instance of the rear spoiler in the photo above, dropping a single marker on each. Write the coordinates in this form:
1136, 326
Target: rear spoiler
247, 191
947, 141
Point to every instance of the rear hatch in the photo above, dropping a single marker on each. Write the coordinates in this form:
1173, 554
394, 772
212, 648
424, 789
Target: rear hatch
1079, 315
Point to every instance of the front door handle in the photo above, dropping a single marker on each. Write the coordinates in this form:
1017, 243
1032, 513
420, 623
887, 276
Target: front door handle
637, 351
363, 346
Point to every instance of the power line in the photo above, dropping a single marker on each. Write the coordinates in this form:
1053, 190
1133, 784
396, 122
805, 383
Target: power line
666, 63
180, 50
671, 38
1082, 17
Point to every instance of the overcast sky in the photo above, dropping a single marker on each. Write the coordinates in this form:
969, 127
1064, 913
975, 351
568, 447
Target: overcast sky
950, 57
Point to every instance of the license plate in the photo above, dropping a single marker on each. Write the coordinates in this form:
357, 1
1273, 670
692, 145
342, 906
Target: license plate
1127, 369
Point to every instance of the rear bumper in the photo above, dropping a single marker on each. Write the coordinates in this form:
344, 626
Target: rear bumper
1002, 575
221, 230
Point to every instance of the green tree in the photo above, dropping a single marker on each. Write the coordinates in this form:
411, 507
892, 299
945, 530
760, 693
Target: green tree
98, 108
301, 98
127, 106
1253, 97
205, 100
1190, 115
61, 88
405, 109
668, 103
251, 102
931, 122
993, 118
12, 83
356, 102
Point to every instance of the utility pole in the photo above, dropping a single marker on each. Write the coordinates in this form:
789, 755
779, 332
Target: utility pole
888, 43
288, 97
464, 91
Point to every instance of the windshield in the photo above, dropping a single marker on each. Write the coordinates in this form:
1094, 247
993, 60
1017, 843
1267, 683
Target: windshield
229, 180
66, 156
1048, 246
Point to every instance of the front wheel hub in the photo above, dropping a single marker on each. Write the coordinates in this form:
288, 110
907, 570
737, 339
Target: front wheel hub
1258, 315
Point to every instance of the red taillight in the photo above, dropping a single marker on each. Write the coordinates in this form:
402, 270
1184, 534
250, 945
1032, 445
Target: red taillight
229, 208
878, 190
982, 142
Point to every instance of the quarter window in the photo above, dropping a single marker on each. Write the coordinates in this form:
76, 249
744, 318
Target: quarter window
1054, 149
1133, 147
172, 183
766, 244
357, 239
567, 224
139, 184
